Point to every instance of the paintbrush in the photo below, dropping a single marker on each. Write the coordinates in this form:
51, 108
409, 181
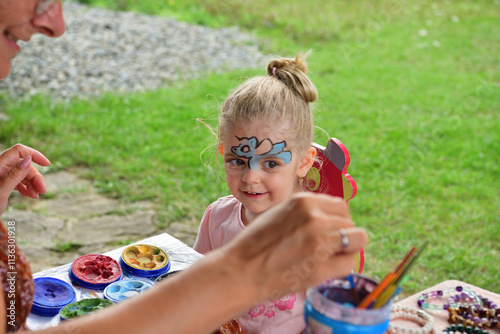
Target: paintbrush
390, 282
401, 275
353, 289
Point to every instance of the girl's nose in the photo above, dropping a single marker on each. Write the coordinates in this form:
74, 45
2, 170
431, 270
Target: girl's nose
251, 176
50, 22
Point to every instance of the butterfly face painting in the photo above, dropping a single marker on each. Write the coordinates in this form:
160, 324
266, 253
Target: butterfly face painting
255, 151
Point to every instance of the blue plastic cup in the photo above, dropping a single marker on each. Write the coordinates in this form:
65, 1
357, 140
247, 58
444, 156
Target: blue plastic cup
329, 308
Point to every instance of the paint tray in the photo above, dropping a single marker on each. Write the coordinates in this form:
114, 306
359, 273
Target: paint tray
51, 295
145, 260
95, 271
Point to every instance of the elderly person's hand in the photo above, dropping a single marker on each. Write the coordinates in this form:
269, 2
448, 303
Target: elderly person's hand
17, 173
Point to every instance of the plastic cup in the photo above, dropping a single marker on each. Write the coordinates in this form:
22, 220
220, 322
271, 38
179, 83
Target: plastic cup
329, 308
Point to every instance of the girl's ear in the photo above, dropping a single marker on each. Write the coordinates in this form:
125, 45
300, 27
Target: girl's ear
306, 162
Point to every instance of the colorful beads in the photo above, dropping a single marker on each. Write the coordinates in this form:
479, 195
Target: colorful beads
463, 329
458, 296
481, 317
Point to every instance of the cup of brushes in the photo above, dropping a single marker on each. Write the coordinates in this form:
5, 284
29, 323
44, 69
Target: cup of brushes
356, 304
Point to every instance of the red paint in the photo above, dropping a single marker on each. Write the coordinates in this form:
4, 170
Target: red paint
96, 269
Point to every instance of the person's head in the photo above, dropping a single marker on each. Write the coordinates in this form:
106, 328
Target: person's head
265, 134
20, 19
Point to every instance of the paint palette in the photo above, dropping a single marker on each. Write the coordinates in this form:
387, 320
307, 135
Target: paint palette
125, 289
95, 271
82, 307
145, 260
51, 295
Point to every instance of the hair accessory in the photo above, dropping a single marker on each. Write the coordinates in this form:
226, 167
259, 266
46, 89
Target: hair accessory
345, 239
274, 71
414, 315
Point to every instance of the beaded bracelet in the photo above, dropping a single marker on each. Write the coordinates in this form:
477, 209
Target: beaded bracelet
462, 296
410, 314
463, 329
484, 317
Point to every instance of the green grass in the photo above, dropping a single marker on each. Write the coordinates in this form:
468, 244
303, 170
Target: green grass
411, 90
66, 247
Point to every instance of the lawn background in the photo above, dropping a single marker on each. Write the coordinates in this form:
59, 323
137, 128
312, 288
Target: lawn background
412, 90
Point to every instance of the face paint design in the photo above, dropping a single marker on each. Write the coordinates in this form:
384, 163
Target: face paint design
251, 149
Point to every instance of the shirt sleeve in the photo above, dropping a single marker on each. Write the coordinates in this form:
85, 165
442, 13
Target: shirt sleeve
203, 244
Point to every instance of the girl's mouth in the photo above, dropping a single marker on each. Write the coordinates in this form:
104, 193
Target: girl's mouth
12, 40
253, 195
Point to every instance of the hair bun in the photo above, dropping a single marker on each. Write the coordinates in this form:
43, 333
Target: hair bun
293, 72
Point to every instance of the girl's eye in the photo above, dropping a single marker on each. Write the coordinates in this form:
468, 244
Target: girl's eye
237, 162
271, 164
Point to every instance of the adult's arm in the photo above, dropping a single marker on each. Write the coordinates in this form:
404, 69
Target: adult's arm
17, 173
289, 248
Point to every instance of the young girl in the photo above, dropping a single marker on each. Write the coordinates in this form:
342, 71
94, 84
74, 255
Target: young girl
265, 134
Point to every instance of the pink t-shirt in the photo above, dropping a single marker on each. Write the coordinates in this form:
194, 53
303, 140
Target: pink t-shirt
220, 224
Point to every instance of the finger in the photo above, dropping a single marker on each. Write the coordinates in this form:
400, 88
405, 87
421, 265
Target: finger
32, 185
22, 190
346, 240
13, 178
31, 191
330, 205
39, 158
39, 184
314, 270
340, 266
34, 180
10, 157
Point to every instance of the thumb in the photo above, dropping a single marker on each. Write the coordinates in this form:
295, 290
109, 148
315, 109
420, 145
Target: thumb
14, 177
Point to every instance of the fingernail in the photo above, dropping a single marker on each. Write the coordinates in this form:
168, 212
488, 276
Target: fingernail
25, 163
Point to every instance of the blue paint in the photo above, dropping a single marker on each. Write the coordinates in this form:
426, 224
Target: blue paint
51, 295
248, 147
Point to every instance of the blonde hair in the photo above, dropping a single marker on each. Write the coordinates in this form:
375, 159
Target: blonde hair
281, 97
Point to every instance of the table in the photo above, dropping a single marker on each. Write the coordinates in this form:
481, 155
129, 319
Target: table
181, 256
441, 317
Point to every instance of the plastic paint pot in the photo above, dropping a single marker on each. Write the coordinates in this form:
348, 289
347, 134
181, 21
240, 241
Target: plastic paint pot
51, 295
82, 307
166, 275
124, 289
329, 308
95, 271
145, 260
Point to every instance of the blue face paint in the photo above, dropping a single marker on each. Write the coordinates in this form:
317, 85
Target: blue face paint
247, 149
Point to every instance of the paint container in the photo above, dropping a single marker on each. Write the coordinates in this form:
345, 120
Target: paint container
124, 289
145, 260
164, 276
329, 308
51, 295
82, 307
95, 271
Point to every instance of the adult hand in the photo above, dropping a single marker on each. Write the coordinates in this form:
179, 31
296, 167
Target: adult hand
17, 173
297, 245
